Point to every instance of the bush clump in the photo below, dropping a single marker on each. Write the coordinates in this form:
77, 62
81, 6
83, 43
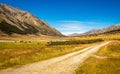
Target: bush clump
70, 42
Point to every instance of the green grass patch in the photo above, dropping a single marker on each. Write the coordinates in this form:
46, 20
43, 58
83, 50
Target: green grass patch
107, 63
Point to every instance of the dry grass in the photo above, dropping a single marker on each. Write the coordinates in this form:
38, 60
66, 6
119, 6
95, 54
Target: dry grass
29, 37
108, 65
16, 54
114, 36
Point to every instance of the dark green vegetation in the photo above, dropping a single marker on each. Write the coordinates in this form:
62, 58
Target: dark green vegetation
105, 61
70, 42
14, 54
9, 29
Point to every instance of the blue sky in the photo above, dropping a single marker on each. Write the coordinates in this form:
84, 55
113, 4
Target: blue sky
72, 16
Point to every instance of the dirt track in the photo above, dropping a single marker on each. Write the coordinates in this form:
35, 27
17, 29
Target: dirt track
65, 64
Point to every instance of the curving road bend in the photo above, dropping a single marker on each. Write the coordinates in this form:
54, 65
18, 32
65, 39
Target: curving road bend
65, 64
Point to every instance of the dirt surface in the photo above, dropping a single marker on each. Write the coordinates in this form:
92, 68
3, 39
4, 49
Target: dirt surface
65, 64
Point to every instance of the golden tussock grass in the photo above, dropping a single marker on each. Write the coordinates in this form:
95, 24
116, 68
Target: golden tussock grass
108, 65
14, 54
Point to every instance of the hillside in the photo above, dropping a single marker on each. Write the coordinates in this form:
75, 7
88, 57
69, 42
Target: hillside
108, 30
111, 29
16, 21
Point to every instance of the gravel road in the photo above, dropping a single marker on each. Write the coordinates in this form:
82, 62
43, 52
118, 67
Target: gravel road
65, 64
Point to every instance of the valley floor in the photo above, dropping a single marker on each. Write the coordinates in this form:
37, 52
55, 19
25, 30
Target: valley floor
66, 64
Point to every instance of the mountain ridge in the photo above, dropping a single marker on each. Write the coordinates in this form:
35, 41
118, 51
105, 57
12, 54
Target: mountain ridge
14, 20
110, 29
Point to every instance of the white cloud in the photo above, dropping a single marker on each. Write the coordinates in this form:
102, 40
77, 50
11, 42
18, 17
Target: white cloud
72, 26
69, 27
69, 21
68, 33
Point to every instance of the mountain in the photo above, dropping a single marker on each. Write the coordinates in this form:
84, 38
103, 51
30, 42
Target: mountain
16, 21
74, 34
108, 30
111, 29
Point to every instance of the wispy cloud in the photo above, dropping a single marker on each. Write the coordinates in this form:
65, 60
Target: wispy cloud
69, 21
68, 27
74, 26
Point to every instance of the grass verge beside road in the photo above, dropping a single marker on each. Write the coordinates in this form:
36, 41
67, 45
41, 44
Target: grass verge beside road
105, 61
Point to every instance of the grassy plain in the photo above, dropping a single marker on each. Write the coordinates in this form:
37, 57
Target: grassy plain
14, 54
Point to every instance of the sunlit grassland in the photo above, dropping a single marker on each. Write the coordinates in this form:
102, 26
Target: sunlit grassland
19, 45
106, 62
114, 36
14, 54
111, 36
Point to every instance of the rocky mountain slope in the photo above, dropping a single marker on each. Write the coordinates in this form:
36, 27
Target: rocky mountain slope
111, 29
16, 21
